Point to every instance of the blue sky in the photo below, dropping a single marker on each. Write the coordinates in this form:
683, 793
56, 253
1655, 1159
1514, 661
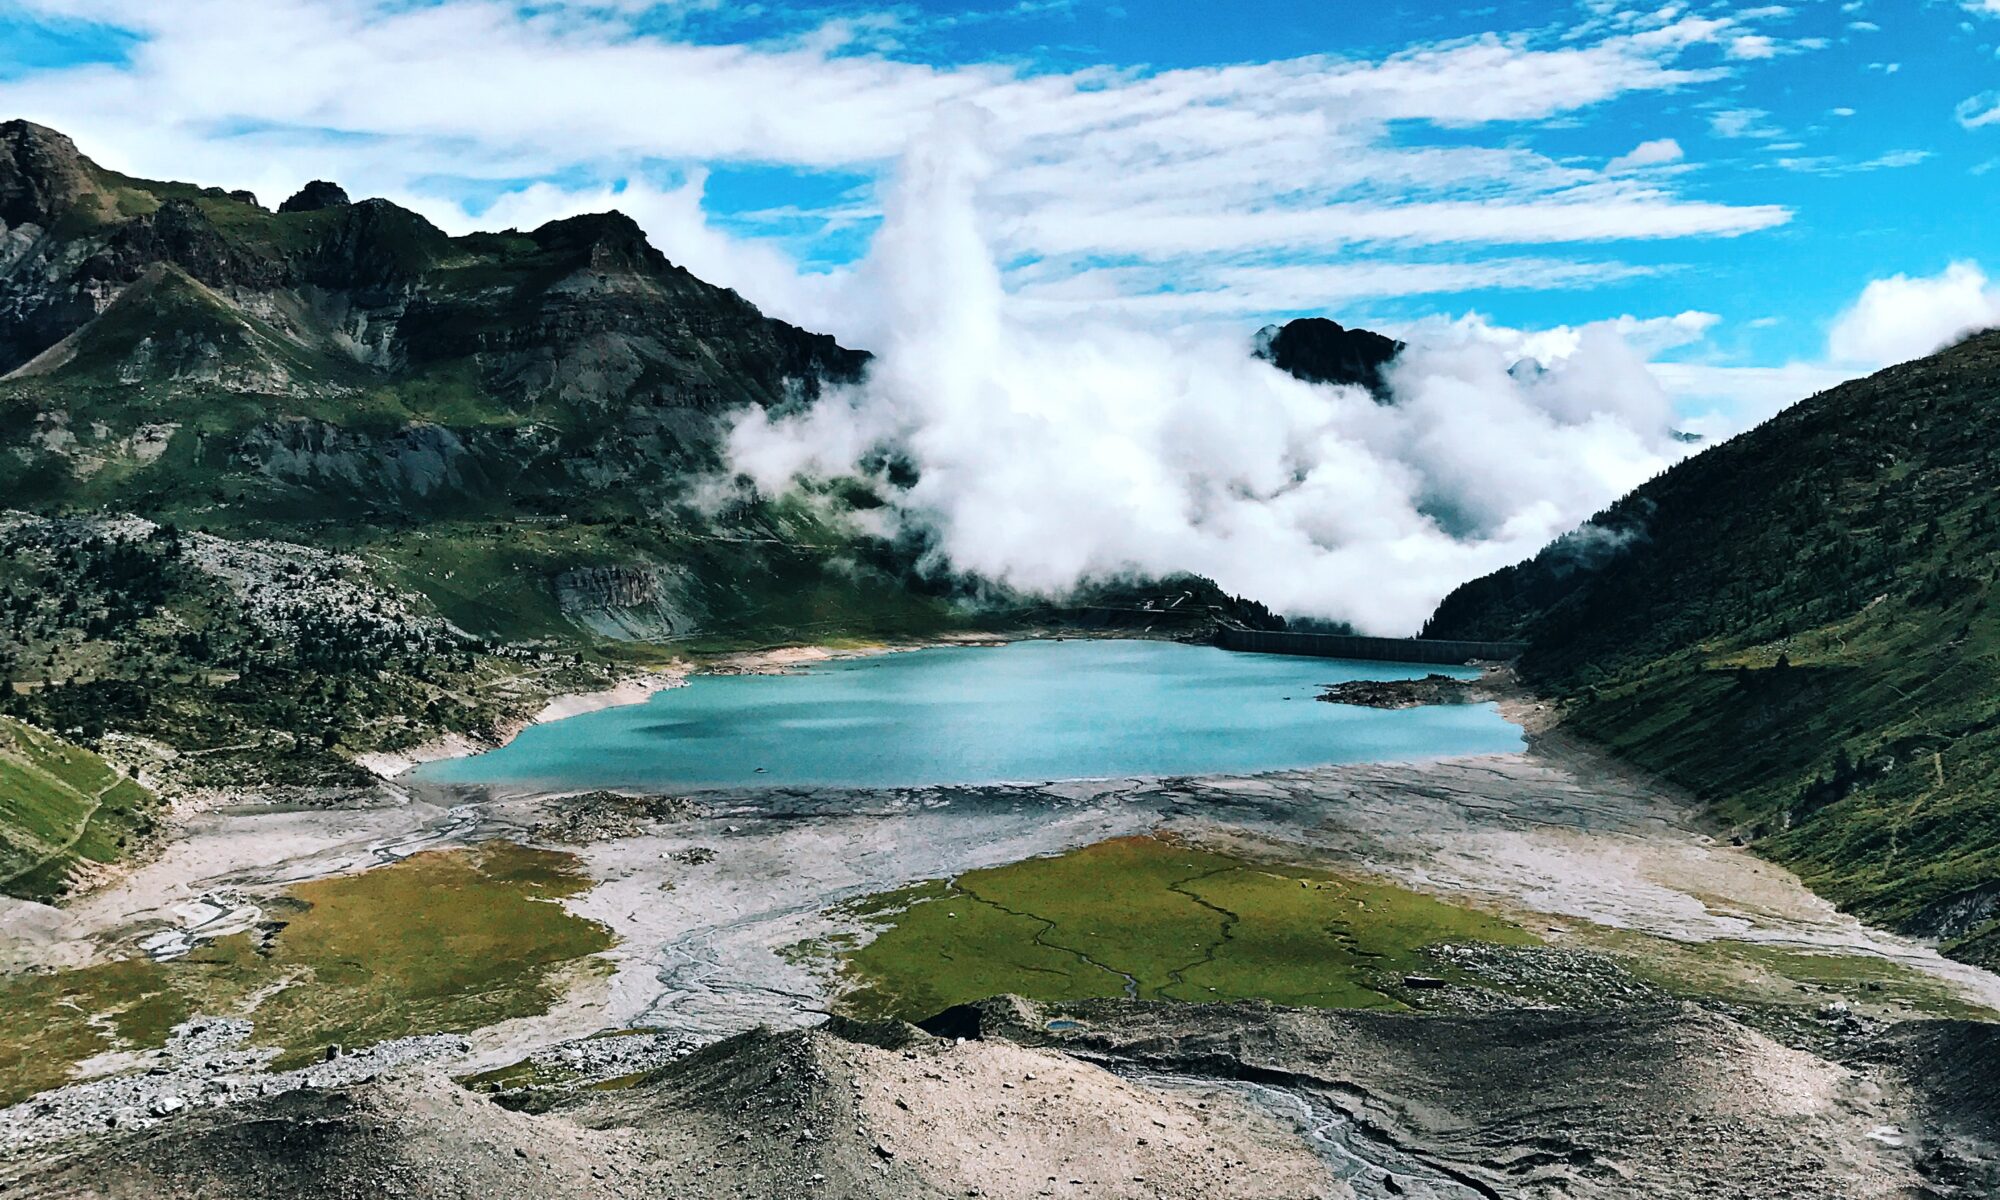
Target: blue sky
1801, 150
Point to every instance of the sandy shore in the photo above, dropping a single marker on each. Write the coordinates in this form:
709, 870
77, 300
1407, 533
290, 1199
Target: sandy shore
783, 660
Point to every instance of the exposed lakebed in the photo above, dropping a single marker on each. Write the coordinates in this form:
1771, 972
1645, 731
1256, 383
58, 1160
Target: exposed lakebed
1029, 711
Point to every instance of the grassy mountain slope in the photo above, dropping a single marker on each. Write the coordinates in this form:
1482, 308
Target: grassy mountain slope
1799, 625
60, 806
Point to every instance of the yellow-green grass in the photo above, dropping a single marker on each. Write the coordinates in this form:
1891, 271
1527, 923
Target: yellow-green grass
445, 941
1154, 918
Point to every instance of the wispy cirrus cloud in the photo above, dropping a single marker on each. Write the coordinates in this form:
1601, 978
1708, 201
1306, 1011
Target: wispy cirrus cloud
448, 103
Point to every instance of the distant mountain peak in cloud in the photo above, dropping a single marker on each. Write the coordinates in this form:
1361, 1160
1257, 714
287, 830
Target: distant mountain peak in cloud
1319, 350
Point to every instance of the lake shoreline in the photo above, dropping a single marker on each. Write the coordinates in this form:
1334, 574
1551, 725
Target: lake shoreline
1037, 710
635, 689
642, 686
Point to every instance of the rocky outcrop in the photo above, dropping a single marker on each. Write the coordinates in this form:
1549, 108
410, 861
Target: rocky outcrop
179, 233
315, 196
846, 1111
416, 460
629, 602
372, 247
42, 175
1959, 915
1407, 693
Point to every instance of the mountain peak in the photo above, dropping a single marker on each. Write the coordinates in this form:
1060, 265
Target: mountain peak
372, 292
42, 173
1321, 351
317, 195
589, 229
18, 133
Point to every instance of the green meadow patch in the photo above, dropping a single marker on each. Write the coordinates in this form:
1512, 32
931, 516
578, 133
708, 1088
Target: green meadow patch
1151, 918
441, 942
1155, 918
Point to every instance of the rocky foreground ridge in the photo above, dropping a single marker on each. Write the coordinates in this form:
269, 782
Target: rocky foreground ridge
1107, 1099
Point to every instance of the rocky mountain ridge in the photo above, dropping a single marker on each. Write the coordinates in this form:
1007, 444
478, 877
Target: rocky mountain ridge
367, 316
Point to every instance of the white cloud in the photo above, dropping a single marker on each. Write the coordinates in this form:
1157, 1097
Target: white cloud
1723, 401
1743, 123
1077, 230
1054, 452
1752, 46
1893, 320
1160, 166
1647, 154
1826, 164
1175, 294
1900, 318
1976, 111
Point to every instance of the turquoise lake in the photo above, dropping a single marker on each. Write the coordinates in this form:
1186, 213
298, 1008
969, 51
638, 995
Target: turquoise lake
1025, 712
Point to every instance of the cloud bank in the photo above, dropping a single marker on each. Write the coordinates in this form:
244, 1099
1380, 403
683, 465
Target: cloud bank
1053, 453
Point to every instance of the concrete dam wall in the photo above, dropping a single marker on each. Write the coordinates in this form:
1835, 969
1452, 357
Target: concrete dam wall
1332, 645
